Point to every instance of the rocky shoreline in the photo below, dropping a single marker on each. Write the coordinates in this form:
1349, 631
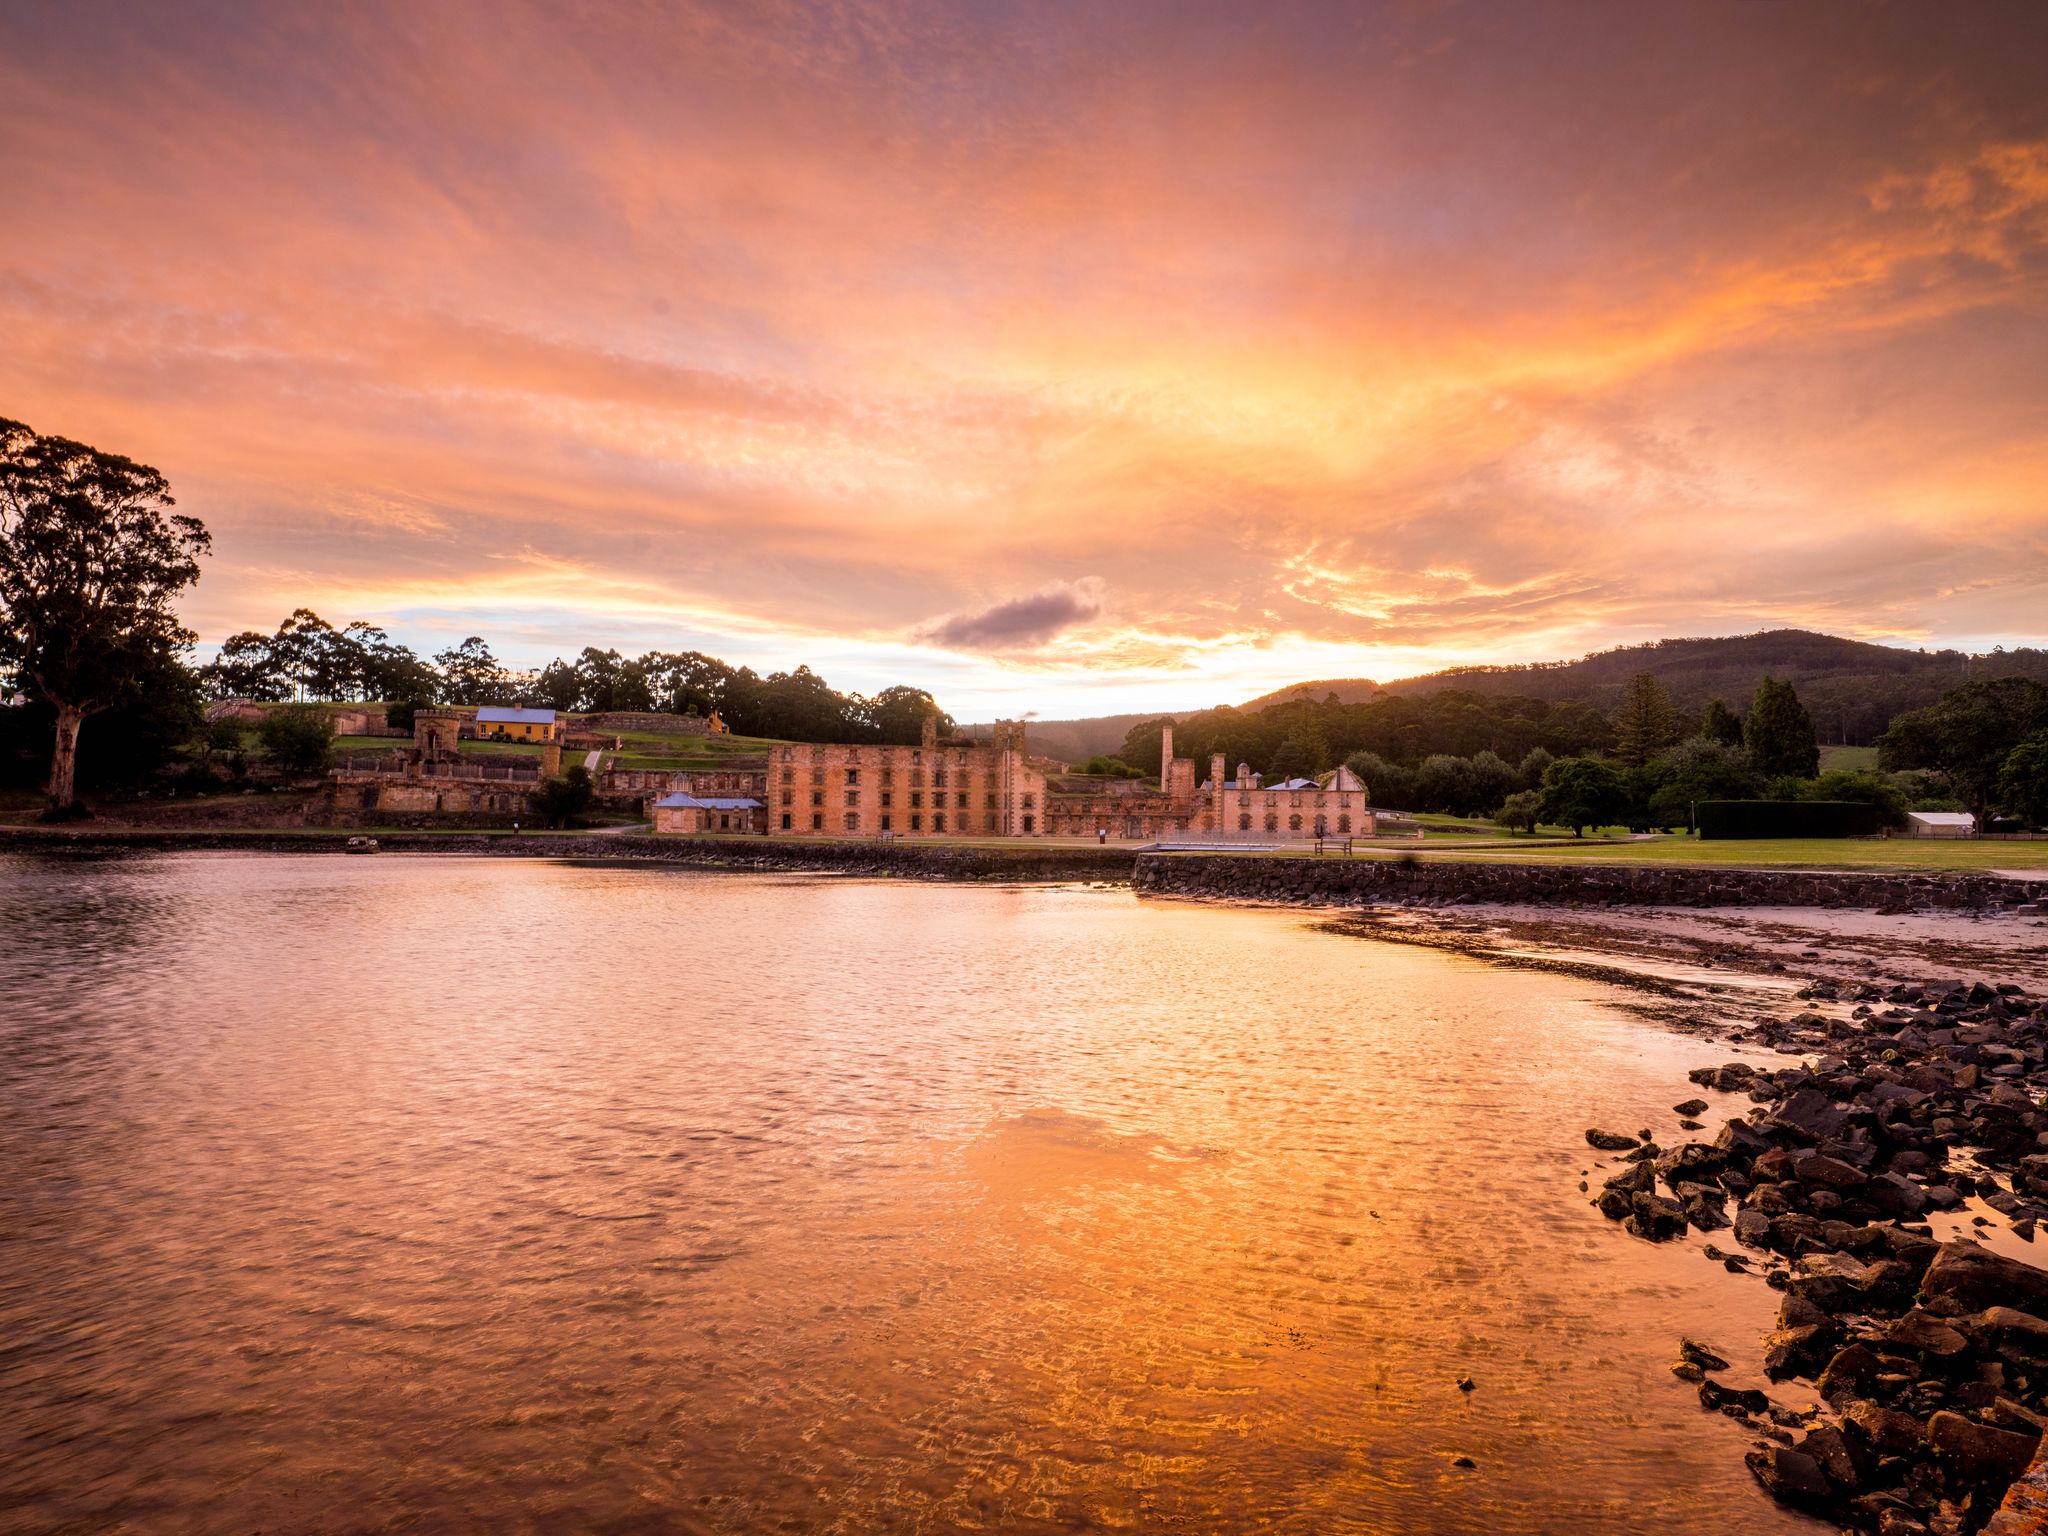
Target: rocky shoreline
1929, 1358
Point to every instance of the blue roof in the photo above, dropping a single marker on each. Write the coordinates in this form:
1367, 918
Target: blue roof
685, 802
491, 714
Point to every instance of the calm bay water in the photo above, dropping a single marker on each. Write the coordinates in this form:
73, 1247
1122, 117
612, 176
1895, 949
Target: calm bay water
415, 1194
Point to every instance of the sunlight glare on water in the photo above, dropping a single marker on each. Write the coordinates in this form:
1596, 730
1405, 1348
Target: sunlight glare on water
410, 1193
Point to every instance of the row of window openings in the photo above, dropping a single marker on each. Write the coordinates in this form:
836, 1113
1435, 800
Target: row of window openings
1244, 823
888, 797
853, 776
852, 822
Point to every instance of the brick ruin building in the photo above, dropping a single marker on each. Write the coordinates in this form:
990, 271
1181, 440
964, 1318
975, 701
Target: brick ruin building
939, 788
953, 787
1240, 809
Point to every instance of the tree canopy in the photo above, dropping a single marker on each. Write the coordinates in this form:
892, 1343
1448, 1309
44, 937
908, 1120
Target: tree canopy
1968, 736
1778, 732
1582, 792
309, 659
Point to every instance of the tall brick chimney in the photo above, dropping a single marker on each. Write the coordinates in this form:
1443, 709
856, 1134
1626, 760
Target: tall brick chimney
1165, 755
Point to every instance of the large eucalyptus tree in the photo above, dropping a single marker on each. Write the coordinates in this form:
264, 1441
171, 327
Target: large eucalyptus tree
91, 556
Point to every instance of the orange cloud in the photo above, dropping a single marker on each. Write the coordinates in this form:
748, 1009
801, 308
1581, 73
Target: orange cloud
1353, 339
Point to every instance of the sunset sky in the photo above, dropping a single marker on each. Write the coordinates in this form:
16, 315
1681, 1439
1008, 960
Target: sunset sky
1078, 358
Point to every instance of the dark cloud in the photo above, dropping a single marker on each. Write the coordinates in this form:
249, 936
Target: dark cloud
1021, 621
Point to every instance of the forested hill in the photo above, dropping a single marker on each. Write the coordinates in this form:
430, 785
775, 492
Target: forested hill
1850, 687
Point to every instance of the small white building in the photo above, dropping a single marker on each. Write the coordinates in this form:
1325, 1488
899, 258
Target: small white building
1940, 824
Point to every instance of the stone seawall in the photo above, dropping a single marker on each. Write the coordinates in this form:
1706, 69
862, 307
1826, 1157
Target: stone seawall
1394, 882
915, 861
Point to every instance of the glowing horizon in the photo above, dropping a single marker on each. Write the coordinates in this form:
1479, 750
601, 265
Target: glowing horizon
1073, 360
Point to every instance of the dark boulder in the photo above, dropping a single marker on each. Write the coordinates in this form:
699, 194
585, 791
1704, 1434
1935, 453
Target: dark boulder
1929, 1335
1849, 1374
1609, 1141
1885, 1429
1977, 1452
1789, 1476
1797, 1351
1693, 1352
1807, 1114
1975, 1278
1655, 1216
1732, 1400
1618, 1192
1819, 1168
1829, 1447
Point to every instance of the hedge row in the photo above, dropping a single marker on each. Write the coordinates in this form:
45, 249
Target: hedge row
1789, 818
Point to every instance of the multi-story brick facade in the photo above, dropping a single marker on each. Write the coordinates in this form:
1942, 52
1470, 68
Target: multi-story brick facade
1333, 806
939, 788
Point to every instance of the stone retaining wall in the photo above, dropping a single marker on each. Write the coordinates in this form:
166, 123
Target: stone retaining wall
1308, 881
1020, 861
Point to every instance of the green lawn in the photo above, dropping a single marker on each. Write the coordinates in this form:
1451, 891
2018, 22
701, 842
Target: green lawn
1848, 759
503, 749
1905, 853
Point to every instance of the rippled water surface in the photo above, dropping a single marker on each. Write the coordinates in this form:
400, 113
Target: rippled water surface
417, 1194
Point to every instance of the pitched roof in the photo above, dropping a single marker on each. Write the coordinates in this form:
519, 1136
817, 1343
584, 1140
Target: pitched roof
680, 801
1942, 818
492, 714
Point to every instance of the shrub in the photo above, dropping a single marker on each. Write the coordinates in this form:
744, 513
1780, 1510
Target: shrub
1519, 811
558, 802
1110, 767
298, 739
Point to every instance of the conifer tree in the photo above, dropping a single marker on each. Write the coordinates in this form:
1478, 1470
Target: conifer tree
1778, 733
1645, 724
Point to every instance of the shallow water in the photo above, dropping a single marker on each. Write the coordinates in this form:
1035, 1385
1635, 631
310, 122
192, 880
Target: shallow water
415, 1194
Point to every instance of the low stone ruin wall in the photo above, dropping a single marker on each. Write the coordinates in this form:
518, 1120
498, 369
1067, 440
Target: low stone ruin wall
1309, 881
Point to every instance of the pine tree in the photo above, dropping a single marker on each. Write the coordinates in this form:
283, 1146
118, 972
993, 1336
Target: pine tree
1645, 724
1778, 733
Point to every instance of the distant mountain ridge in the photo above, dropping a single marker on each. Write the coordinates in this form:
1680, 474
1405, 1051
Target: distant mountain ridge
1852, 688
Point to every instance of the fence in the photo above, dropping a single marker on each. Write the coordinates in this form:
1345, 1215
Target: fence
401, 765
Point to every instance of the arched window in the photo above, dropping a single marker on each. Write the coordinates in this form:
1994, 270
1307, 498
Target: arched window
1343, 824
938, 821
1272, 821
1244, 821
1294, 823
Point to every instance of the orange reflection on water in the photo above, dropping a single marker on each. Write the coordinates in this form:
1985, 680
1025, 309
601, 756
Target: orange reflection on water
367, 1192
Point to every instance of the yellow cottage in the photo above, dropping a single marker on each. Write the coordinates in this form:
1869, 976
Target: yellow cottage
495, 724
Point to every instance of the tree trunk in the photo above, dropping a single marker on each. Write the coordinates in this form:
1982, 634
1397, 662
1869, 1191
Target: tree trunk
64, 757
